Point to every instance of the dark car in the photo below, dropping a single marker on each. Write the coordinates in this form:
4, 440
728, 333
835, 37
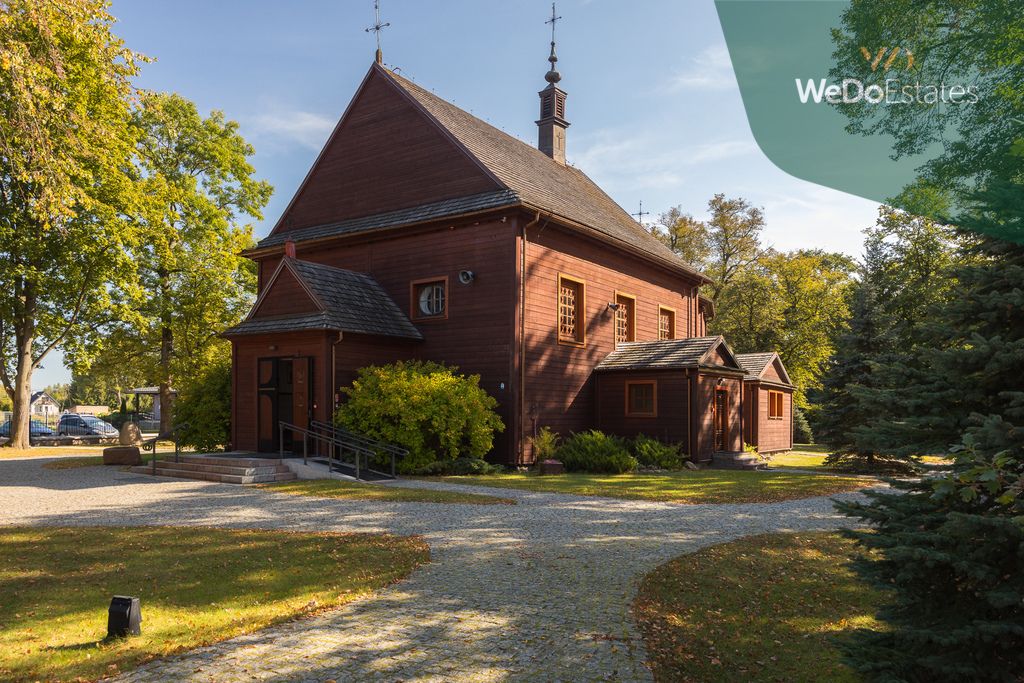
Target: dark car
35, 428
84, 425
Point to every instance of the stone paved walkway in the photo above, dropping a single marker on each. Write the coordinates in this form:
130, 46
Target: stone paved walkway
540, 591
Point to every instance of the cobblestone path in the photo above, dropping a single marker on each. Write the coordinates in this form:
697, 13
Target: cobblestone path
539, 591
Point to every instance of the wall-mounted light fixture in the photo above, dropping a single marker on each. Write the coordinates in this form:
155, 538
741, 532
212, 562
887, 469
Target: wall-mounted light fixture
466, 276
613, 306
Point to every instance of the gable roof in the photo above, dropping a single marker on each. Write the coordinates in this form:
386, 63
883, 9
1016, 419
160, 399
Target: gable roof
347, 302
525, 175
756, 364
668, 354
40, 395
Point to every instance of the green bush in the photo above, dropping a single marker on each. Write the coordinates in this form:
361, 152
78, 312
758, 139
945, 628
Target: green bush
205, 405
654, 454
425, 407
801, 428
596, 452
545, 444
460, 466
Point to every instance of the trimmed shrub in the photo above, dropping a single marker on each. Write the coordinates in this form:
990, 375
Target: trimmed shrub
801, 428
596, 452
460, 466
654, 454
426, 407
205, 405
545, 444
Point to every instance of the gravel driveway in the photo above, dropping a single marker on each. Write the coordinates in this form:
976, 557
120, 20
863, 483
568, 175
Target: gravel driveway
539, 591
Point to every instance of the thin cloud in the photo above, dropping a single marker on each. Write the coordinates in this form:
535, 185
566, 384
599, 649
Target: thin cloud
304, 128
711, 69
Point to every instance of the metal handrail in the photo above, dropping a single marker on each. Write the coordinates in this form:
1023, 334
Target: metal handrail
378, 446
361, 448
150, 444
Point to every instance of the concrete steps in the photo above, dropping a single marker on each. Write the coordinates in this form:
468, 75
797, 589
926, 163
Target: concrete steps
736, 461
221, 469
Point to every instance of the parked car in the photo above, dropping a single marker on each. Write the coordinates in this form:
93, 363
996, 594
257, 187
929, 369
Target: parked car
35, 428
84, 425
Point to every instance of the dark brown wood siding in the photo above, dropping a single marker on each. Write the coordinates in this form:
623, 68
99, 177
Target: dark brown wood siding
705, 400
477, 334
560, 391
774, 434
286, 296
247, 350
385, 155
671, 424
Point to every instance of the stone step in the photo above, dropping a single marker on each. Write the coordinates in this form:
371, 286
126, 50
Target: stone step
209, 473
736, 461
226, 461
221, 469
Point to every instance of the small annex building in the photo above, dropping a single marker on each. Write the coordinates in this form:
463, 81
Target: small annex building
768, 402
687, 391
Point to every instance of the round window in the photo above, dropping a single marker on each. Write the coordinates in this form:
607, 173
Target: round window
432, 300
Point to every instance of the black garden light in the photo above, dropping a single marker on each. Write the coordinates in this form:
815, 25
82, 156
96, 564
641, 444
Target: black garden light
124, 617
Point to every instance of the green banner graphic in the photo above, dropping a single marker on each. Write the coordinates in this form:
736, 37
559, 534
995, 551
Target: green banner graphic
874, 98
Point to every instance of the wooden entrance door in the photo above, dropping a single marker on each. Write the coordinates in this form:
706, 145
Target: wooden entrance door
721, 419
284, 394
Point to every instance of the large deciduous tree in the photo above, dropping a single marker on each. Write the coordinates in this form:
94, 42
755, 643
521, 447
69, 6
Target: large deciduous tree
66, 142
200, 194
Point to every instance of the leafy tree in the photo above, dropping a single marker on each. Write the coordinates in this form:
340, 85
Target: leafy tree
684, 235
426, 407
65, 147
793, 303
204, 404
200, 189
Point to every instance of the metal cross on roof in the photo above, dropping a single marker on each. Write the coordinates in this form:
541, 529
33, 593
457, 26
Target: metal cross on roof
553, 20
641, 213
377, 28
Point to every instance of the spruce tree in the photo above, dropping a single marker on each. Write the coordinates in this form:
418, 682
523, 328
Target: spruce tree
951, 548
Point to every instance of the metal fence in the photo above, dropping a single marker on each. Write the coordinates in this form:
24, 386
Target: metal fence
72, 424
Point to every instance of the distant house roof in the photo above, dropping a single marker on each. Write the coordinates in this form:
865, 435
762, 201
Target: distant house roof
347, 302
755, 364
147, 391
529, 178
669, 354
42, 395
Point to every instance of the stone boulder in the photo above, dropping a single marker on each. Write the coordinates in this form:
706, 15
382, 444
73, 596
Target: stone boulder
122, 455
130, 435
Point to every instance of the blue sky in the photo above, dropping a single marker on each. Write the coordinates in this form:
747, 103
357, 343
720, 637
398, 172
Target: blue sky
655, 111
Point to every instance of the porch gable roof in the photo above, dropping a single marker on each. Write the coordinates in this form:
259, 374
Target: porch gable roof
670, 354
347, 302
756, 364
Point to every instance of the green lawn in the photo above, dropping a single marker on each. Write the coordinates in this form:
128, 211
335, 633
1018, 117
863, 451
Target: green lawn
350, 490
798, 459
764, 608
687, 486
197, 586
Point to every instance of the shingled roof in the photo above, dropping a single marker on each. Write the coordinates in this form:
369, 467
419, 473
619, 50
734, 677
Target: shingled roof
756, 363
348, 302
528, 176
668, 354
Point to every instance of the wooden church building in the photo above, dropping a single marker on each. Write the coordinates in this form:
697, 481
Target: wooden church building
422, 232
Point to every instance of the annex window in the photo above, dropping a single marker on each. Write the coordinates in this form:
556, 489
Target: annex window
666, 323
642, 399
775, 405
571, 305
625, 318
430, 299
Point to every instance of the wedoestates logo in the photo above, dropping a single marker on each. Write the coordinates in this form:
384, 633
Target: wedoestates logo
852, 90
